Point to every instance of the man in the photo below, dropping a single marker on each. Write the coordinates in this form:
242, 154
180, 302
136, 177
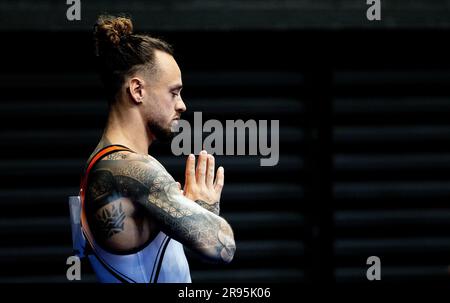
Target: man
134, 214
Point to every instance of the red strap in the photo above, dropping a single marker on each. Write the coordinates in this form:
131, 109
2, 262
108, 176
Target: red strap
93, 161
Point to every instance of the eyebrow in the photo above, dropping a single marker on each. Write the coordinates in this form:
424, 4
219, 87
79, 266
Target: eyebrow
176, 87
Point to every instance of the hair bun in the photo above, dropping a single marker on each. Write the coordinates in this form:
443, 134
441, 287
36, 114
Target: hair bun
110, 29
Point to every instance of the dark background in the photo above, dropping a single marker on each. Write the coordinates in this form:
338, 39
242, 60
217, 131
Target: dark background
363, 110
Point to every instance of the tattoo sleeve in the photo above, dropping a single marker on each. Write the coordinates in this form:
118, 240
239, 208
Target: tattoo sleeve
111, 220
215, 208
143, 180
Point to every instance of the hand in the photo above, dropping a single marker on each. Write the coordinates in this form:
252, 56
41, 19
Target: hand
200, 184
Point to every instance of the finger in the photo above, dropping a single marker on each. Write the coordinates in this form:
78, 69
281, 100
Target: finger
220, 178
210, 171
201, 167
190, 170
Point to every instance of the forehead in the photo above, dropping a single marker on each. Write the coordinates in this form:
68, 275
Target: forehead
168, 69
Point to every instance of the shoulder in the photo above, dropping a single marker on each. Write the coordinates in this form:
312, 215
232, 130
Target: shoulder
129, 156
136, 167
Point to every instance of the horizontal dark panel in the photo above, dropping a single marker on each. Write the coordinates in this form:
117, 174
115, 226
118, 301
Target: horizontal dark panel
393, 189
375, 78
45, 224
407, 246
391, 134
269, 249
388, 105
262, 220
41, 168
255, 106
35, 252
273, 224
390, 218
26, 278
85, 108
271, 254
26, 197
50, 81
245, 78
389, 162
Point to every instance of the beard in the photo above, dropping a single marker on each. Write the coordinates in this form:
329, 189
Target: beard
161, 133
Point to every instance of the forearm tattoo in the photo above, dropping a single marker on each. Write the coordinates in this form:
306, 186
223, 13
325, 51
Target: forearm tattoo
214, 208
144, 180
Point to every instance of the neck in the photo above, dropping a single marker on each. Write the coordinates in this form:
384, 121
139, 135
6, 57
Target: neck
127, 127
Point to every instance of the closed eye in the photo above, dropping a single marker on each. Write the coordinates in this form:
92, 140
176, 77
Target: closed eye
176, 93
176, 90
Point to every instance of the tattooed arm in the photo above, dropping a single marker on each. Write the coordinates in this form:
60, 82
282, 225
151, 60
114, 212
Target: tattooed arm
215, 208
141, 179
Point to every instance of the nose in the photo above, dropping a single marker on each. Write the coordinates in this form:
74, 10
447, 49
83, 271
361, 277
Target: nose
180, 106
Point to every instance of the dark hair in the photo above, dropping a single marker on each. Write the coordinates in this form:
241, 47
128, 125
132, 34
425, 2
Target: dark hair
121, 53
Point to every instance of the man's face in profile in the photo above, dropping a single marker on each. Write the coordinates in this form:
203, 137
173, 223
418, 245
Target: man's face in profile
164, 105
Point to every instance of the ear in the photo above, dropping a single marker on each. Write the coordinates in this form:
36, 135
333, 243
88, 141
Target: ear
136, 89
